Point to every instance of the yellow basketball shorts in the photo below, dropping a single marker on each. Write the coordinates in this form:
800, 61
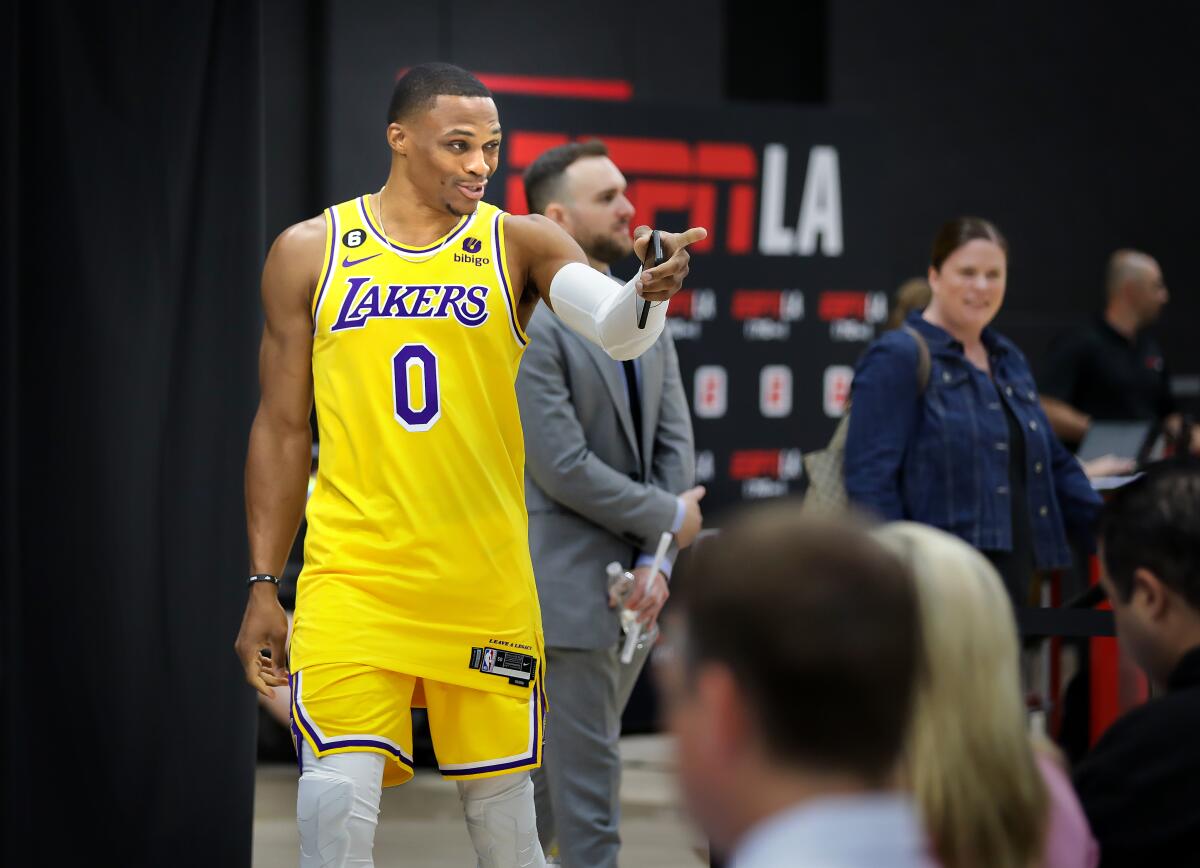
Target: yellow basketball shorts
345, 707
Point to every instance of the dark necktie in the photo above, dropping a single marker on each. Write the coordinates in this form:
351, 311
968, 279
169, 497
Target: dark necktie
635, 410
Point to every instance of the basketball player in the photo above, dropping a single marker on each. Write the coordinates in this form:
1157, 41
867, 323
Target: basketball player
403, 314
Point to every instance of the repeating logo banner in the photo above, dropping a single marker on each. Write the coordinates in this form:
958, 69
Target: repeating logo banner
787, 290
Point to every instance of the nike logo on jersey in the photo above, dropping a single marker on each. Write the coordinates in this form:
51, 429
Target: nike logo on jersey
363, 303
350, 263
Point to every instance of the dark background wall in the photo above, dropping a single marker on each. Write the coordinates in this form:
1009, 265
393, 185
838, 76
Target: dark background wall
325, 61
133, 238
1066, 124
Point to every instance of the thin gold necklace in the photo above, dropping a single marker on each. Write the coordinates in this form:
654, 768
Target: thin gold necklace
407, 257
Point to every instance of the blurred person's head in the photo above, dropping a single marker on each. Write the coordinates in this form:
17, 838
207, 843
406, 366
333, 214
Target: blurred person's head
968, 757
968, 267
444, 134
581, 189
1150, 558
1134, 287
913, 294
797, 648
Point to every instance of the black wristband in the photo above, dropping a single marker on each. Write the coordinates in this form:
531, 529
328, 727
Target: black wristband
263, 577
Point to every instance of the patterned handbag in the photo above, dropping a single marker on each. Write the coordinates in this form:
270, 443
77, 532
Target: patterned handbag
824, 468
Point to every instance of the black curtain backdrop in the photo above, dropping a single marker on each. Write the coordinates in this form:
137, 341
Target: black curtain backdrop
133, 241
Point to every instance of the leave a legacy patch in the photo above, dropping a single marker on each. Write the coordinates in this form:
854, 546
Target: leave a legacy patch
517, 668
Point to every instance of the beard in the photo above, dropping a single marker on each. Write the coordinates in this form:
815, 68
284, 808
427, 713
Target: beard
607, 248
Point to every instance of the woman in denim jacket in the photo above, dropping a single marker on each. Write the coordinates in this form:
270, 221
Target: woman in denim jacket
974, 455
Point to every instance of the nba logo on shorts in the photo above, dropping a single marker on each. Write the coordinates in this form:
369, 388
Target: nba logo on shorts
472, 245
837, 389
489, 660
711, 393
775, 391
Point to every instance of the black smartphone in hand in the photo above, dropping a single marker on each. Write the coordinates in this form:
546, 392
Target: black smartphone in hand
654, 251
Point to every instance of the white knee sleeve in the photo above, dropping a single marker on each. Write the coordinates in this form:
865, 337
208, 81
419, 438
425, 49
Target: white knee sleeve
604, 313
501, 821
337, 808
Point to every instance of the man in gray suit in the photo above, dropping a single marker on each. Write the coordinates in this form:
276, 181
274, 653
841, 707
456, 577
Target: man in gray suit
609, 467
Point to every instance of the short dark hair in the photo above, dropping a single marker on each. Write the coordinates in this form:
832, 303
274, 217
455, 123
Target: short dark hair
418, 89
1154, 523
953, 234
819, 625
543, 178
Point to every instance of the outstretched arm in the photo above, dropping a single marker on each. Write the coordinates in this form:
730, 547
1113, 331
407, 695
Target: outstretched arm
556, 271
1066, 421
280, 452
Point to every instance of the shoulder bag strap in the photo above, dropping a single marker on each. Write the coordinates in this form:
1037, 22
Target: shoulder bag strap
923, 362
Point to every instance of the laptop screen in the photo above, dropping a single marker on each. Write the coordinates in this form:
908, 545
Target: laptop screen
1122, 439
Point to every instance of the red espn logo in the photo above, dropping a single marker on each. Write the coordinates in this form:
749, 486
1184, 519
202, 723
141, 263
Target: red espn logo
834, 305
694, 304
843, 304
694, 169
782, 464
785, 305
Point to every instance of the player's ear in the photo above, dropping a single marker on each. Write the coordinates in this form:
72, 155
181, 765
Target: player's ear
397, 138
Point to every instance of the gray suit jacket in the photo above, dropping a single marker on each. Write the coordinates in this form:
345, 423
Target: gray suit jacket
588, 504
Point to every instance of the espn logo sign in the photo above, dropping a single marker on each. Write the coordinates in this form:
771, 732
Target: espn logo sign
851, 304
785, 305
775, 391
839, 304
769, 463
765, 472
670, 174
684, 177
689, 309
710, 394
767, 314
693, 304
704, 178
852, 315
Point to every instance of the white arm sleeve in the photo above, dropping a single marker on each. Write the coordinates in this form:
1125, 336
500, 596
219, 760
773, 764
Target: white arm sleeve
605, 314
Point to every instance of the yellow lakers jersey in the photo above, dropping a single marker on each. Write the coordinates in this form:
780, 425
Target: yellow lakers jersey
416, 557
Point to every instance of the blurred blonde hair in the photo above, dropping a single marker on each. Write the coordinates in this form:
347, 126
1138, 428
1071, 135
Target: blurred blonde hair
914, 294
968, 757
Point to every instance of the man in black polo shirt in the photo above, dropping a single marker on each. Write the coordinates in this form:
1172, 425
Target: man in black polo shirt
1140, 785
1111, 369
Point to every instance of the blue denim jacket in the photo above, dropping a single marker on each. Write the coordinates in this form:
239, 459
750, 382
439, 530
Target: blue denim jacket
942, 458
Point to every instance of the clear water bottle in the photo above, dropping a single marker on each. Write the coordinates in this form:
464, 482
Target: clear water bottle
621, 583
620, 588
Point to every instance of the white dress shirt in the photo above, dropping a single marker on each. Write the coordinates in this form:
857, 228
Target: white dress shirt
867, 831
